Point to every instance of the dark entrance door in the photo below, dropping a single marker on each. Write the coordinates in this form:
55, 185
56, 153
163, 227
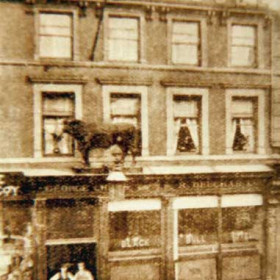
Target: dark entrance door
72, 254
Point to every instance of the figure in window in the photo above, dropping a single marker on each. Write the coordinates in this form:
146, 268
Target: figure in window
185, 142
240, 140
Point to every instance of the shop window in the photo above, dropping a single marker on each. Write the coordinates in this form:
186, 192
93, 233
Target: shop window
128, 105
197, 226
52, 105
57, 107
187, 122
242, 224
134, 230
69, 219
243, 45
244, 121
123, 39
186, 43
55, 35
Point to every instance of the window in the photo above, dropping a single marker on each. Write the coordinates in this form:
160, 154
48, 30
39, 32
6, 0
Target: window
244, 124
52, 105
123, 39
186, 43
134, 230
128, 104
244, 45
135, 224
57, 107
187, 121
245, 121
209, 228
55, 35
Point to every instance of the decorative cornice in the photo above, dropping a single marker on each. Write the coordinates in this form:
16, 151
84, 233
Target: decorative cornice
124, 81
185, 83
57, 79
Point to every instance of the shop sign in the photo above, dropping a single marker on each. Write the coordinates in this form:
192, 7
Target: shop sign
220, 184
9, 190
55, 189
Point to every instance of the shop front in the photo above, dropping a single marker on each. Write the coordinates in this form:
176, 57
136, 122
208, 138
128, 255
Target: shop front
165, 227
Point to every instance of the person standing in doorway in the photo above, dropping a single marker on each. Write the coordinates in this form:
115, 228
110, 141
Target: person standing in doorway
64, 274
83, 273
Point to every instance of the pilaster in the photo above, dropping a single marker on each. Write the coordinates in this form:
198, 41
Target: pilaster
40, 228
271, 239
168, 239
103, 239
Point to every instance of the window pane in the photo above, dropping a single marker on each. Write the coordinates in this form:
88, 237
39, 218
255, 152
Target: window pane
242, 224
185, 108
69, 219
123, 39
243, 135
186, 124
243, 35
243, 49
185, 54
197, 226
57, 103
55, 141
134, 230
51, 46
124, 50
61, 20
185, 42
55, 30
243, 107
243, 56
126, 108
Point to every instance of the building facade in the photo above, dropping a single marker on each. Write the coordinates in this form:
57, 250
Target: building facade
200, 80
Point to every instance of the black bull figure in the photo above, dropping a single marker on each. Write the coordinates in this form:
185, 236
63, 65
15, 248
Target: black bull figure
92, 135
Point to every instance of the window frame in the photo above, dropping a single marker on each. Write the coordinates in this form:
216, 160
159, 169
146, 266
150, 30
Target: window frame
260, 112
259, 25
39, 89
203, 93
141, 34
74, 36
142, 91
203, 55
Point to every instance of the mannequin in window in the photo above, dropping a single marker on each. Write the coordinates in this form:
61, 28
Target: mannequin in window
240, 140
185, 142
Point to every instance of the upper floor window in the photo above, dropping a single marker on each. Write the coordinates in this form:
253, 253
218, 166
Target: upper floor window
186, 43
56, 108
244, 124
187, 124
52, 105
55, 35
245, 121
123, 39
244, 45
128, 104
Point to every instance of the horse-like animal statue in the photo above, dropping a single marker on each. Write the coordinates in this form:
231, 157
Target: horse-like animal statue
92, 136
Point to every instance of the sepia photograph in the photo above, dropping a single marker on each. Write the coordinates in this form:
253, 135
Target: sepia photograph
140, 140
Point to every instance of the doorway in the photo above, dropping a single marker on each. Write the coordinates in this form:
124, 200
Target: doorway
72, 254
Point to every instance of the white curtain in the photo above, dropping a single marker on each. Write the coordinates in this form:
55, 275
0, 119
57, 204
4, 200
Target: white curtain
54, 138
233, 131
193, 128
177, 126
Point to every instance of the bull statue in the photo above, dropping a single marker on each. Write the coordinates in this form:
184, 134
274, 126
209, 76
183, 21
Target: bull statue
91, 136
